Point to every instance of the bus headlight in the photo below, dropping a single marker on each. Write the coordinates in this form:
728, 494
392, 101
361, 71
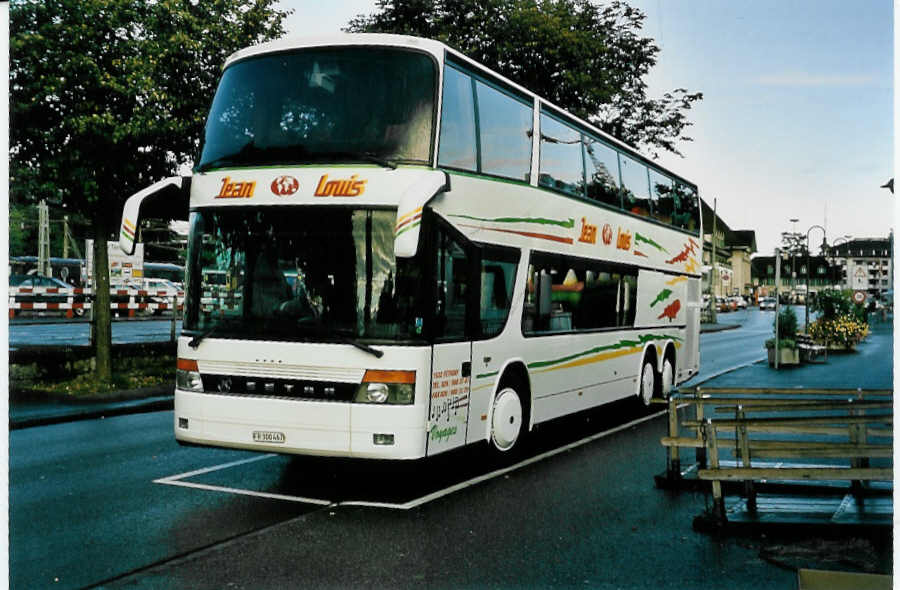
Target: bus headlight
387, 387
187, 376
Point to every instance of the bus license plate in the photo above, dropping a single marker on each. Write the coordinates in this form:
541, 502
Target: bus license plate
267, 436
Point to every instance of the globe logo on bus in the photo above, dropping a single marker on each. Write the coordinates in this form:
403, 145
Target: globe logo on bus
285, 185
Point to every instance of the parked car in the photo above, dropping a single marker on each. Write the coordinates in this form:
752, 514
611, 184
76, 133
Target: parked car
156, 285
767, 303
33, 281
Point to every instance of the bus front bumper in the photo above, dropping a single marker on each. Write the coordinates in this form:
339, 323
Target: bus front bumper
299, 426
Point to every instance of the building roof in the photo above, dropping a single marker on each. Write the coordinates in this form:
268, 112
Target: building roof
743, 238
864, 247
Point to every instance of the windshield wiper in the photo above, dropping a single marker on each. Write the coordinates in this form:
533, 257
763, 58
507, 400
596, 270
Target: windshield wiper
346, 339
197, 339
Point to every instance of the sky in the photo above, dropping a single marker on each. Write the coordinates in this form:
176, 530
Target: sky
797, 116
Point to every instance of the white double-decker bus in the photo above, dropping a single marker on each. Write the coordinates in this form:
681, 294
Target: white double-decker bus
395, 252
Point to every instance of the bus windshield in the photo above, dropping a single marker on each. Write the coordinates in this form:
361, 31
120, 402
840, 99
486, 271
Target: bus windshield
292, 273
323, 105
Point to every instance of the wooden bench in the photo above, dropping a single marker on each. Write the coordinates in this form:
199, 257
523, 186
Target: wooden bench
809, 350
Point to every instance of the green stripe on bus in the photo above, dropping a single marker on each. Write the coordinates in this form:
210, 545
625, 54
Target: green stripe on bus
568, 224
617, 346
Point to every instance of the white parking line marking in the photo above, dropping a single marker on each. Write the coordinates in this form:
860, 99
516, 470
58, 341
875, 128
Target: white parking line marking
481, 478
172, 478
175, 480
201, 486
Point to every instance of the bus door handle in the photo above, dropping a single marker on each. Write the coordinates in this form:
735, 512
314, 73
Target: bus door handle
466, 368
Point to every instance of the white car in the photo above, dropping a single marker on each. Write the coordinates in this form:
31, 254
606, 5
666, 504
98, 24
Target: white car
155, 285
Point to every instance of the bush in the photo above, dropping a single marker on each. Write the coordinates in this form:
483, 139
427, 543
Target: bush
832, 303
782, 343
787, 324
845, 330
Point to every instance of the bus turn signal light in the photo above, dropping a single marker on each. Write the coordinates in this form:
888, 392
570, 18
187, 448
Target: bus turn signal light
376, 376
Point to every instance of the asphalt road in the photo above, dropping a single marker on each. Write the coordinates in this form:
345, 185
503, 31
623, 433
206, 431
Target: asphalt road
77, 332
117, 503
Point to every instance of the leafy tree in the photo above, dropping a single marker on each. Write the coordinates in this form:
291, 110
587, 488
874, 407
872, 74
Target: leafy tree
589, 59
108, 96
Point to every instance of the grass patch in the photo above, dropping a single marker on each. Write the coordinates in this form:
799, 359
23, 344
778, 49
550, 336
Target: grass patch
78, 379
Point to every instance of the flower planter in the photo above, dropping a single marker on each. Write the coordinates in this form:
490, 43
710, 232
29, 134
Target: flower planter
787, 356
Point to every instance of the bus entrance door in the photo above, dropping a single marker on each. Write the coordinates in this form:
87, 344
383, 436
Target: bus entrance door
451, 368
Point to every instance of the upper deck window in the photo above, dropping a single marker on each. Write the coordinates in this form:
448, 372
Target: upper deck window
561, 161
323, 105
505, 126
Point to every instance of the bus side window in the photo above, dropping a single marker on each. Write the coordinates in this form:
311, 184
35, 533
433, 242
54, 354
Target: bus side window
505, 128
602, 172
636, 187
451, 287
686, 212
498, 275
561, 161
457, 142
662, 197
628, 301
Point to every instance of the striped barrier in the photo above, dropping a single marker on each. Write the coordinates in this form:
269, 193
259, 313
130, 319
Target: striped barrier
70, 306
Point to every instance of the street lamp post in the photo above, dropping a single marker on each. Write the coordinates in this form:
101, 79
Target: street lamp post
808, 265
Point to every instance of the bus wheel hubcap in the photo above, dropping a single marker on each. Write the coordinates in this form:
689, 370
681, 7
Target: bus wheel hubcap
507, 420
647, 383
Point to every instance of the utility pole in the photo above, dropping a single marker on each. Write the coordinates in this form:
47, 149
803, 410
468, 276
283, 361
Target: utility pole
43, 258
713, 271
65, 236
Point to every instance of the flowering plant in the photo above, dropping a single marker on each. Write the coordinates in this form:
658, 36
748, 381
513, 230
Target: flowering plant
845, 330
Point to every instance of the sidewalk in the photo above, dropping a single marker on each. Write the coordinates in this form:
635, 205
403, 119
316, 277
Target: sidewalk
871, 366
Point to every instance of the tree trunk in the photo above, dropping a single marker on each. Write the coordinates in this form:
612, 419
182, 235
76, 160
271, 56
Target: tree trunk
102, 325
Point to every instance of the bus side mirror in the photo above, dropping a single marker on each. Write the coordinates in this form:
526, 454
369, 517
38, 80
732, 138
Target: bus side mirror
409, 211
167, 199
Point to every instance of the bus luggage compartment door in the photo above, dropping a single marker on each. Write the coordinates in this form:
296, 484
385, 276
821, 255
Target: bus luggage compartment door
448, 415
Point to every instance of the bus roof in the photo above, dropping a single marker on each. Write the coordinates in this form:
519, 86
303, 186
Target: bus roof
438, 50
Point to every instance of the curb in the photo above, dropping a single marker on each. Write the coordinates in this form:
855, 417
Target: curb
120, 409
67, 409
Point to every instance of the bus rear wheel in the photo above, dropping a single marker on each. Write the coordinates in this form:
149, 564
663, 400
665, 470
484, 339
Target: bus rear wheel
648, 382
668, 378
506, 420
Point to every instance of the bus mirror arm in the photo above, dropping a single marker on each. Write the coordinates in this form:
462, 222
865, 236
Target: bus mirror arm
410, 207
167, 199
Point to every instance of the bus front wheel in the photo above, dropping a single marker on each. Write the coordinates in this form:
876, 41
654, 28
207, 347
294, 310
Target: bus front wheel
506, 420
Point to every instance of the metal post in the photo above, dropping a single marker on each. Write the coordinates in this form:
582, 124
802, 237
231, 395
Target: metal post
712, 277
718, 499
744, 443
174, 316
777, 299
43, 258
699, 452
673, 471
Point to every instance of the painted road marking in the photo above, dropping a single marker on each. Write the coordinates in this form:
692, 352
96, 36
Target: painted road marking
176, 480
494, 474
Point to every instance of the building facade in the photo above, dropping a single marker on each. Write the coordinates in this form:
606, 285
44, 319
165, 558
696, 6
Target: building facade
819, 273
866, 264
731, 274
